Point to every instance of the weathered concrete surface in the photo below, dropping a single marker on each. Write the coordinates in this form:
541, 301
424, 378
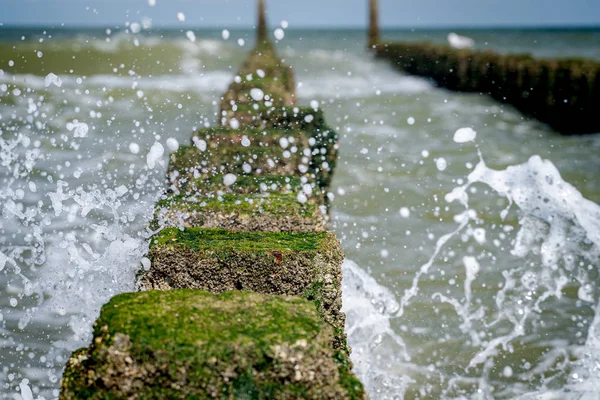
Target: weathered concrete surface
294, 141
190, 167
191, 344
262, 81
565, 94
252, 184
272, 212
304, 264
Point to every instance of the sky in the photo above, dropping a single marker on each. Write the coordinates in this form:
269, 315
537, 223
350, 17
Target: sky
302, 13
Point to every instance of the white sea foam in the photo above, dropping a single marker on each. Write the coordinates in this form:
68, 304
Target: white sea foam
202, 82
155, 155
464, 135
379, 354
335, 85
365, 78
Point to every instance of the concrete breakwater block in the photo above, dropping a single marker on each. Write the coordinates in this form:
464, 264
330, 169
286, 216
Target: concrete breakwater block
293, 117
263, 70
281, 138
251, 184
270, 212
254, 152
306, 264
185, 344
190, 166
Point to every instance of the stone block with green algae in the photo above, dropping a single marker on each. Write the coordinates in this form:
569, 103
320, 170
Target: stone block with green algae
190, 344
311, 149
250, 136
322, 139
190, 165
264, 70
304, 264
251, 184
271, 212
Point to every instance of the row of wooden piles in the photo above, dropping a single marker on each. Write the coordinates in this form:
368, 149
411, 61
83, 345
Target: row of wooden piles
563, 93
242, 295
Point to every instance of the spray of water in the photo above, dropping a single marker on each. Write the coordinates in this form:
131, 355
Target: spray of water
555, 248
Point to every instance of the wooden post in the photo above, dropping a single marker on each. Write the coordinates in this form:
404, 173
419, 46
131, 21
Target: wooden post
262, 22
373, 23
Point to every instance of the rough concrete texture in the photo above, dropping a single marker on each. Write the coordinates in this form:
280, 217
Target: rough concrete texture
190, 344
249, 184
191, 166
302, 264
285, 133
271, 212
262, 81
284, 138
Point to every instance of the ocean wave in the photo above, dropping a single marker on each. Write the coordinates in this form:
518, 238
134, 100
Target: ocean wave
343, 86
201, 82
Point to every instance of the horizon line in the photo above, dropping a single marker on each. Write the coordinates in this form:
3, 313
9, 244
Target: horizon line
550, 26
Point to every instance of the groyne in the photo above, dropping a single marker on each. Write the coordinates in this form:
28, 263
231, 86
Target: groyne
242, 294
563, 93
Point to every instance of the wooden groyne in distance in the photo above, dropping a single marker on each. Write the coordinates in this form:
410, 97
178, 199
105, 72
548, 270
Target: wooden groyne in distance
373, 23
563, 93
242, 298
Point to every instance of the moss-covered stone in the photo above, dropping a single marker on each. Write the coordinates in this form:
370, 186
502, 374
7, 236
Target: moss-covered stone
285, 118
191, 165
189, 344
263, 70
246, 184
249, 136
224, 233
271, 212
302, 264
322, 139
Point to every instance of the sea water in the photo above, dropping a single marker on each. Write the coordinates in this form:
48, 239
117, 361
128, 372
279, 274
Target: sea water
472, 257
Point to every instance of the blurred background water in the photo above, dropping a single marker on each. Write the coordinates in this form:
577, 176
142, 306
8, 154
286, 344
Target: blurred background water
77, 194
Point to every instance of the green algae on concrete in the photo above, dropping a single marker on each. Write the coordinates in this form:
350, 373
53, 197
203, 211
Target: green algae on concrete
247, 184
256, 184
189, 344
272, 212
221, 136
263, 70
191, 163
305, 119
288, 263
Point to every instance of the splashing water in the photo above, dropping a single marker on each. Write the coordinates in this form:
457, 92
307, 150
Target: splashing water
557, 241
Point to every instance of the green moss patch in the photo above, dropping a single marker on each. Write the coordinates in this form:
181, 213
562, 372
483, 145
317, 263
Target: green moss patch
271, 212
263, 70
303, 129
189, 163
220, 136
302, 264
322, 139
192, 344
